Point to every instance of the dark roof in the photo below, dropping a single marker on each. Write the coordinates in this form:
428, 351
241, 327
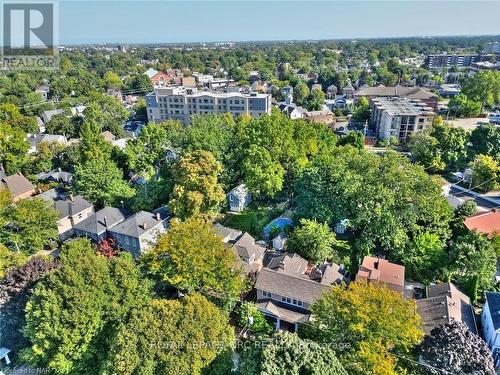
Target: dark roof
134, 226
287, 312
290, 286
17, 184
98, 222
71, 205
493, 299
62, 176
443, 304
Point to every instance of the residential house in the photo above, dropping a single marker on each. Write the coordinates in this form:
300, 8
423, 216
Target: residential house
71, 209
35, 139
487, 223
44, 91
444, 303
229, 235
331, 92
382, 272
490, 320
449, 90
57, 176
291, 110
139, 232
18, 186
324, 116
47, 115
250, 254
287, 286
348, 91
96, 226
239, 198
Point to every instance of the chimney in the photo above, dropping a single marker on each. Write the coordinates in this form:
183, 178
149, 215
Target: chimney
105, 219
144, 225
158, 217
71, 198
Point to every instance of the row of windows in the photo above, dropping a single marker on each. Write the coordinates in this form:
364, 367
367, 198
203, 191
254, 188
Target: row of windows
289, 300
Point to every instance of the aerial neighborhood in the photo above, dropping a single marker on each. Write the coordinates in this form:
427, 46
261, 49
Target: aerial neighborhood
322, 207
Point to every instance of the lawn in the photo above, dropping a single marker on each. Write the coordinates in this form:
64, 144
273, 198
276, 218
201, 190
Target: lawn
252, 220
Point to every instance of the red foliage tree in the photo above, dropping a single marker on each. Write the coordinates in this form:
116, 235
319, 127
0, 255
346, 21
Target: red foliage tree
107, 247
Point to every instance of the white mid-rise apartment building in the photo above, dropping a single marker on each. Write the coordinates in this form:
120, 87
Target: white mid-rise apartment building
399, 117
180, 103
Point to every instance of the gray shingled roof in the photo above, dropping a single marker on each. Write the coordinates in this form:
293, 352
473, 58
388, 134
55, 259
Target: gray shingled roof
98, 222
295, 287
444, 303
493, 299
134, 226
71, 205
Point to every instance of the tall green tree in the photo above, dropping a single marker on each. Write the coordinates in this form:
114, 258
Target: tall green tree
285, 353
197, 189
28, 226
176, 336
483, 87
73, 315
485, 140
373, 323
314, 241
192, 257
485, 173
102, 183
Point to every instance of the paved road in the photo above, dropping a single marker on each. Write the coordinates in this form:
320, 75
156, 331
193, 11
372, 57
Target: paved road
480, 199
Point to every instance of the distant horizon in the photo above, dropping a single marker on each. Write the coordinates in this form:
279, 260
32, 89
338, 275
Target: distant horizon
493, 36
191, 22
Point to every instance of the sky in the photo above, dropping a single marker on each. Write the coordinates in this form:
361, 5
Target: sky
89, 22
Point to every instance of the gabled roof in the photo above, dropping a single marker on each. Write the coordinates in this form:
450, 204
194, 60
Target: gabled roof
151, 72
288, 313
246, 247
140, 223
444, 303
486, 222
493, 299
228, 234
290, 264
17, 184
295, 287
376, 269
98, 222
71, 205
413, 92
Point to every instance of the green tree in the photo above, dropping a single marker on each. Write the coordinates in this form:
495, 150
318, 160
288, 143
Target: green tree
262, 175
387, 199
452, 143
314, 241
72, 317
101, 182
483, 87
354, 138
425, 151
373, 323
472, 263
10, 259
108, 112
362, 111
176, 336
287, 354
249, 317
485, 140
29, 226
300, 93
112, 80
423, 257
197, 189
13, 147
62, 124
462, 106
148, 149
315, 100
485, 173
192, 257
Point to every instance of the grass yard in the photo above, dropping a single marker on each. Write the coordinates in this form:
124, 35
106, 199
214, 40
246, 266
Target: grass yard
252, 220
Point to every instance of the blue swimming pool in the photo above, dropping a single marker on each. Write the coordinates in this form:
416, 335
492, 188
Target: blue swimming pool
281, 222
